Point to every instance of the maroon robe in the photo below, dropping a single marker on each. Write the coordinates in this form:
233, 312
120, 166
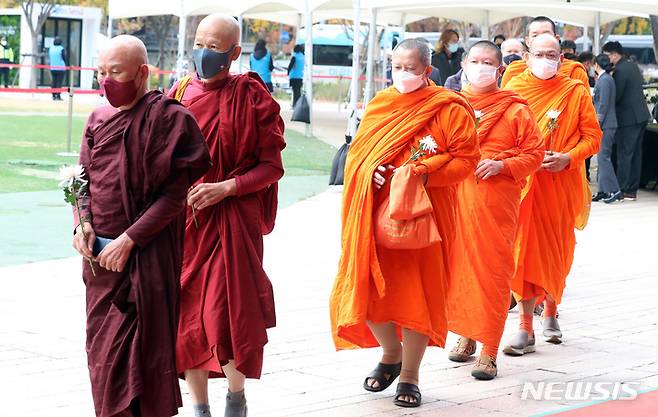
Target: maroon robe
140, 164
227, 301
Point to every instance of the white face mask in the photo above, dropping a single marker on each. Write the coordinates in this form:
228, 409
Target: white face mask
406, 82
543, 68
481, 75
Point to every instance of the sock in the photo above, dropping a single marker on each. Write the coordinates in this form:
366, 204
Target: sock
550, 309
491, 351
526, 323
202, 410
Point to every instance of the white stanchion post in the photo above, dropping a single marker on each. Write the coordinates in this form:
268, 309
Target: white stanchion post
370, 66
356, 66
308, 67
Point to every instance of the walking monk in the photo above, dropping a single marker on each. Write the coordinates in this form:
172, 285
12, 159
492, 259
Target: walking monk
140, 155
557, 197
538, 26
227, 301
482, 260
382, 296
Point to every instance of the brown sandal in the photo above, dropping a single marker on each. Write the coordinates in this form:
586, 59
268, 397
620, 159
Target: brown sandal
464, 349
485, 368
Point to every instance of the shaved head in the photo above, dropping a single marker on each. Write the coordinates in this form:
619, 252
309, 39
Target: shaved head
492, 50
545, 42
512, 46
127, 49
222, 27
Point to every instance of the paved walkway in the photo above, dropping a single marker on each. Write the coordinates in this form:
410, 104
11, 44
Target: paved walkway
608, 317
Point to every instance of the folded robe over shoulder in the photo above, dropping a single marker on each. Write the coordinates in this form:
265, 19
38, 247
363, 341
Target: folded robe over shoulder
554, 204
406, 287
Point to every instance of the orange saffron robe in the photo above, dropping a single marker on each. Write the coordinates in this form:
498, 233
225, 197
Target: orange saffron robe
554, 204
404, 287
572, 69
482, 261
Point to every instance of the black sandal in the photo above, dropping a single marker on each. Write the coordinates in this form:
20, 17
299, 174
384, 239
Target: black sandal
384, 374
407, 390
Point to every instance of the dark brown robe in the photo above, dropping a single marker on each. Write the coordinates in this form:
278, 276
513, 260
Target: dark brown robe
140, 164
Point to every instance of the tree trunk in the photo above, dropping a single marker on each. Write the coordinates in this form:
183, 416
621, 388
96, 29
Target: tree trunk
34, 60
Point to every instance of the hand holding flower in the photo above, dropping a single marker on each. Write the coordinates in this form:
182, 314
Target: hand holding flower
208, 194
83, 242
555, 161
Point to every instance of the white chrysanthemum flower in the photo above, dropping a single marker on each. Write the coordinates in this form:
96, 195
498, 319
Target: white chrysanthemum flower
428, 144
70, 173
478, 114
553, 114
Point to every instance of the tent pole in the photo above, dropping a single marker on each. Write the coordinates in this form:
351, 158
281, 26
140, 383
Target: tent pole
597, 34
356, 65
109, 26
308, 70
485, 27
370, 67
182, 35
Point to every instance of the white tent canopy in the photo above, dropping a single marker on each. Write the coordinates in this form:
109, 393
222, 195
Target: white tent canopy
390, 12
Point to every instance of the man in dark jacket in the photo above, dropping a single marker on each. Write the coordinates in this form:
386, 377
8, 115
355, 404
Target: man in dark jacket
632, 118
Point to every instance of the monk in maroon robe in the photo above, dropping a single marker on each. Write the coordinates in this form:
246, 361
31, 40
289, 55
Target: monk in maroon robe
227, 301
140, 156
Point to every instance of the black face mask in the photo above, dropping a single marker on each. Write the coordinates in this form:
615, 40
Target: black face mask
209, 63
511, 58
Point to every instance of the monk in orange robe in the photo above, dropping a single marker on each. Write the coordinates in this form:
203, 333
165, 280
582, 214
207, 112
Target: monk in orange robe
482, 258
573, 69
383, 296
557, 197
538, 26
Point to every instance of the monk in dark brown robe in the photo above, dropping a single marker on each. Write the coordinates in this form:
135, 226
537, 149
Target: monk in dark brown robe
227, 303
140, 156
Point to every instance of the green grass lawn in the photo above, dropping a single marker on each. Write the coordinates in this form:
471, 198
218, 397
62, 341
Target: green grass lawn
29, 147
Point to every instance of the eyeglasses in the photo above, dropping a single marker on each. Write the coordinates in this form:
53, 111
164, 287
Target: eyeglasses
553, 56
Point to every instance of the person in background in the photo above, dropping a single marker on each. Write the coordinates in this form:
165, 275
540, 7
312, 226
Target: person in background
57, 57
569, 49
261, 62
632, 118
604, 102
435, 75
448, 55
6, 57
512, 50
587, 59
498, 40
458, 80
296, 72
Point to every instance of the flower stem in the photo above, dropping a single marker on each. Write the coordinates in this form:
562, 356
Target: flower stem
196, 224
84, 233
